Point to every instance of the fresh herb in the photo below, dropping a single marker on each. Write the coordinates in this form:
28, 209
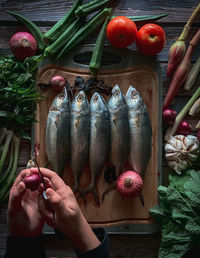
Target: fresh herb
178, 213
18, 96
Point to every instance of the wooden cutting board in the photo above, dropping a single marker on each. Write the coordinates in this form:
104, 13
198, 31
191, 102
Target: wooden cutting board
129, 68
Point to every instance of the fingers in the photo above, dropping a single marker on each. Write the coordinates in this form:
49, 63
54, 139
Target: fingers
16, 196
55, 201
54, 178
21, 175
46, 213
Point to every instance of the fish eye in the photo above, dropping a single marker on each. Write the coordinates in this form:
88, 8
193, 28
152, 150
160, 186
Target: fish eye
80, 97
96, 97
116, 93
134, 95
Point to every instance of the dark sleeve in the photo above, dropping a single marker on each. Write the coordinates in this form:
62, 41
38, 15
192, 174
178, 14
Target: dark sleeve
24, 247
101, 251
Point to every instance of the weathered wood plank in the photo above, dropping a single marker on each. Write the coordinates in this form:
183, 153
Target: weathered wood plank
52, 11
172, 34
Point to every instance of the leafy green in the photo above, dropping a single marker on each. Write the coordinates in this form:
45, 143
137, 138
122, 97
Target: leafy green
18, 93
178, 214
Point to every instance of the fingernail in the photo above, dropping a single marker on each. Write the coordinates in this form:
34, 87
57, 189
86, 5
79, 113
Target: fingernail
33, 169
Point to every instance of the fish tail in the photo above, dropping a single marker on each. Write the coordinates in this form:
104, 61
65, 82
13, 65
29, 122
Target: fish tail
96, 195
107, 191
92, 188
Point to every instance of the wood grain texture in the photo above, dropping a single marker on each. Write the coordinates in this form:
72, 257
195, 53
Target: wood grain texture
114, 210
45, 14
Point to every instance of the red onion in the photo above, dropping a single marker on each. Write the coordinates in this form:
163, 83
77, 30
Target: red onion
184, 128
169, 116
129, 184
58, 83
22, 45
32, 181
198, 136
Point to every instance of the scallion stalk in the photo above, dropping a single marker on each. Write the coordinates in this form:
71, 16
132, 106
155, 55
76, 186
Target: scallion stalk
192, 75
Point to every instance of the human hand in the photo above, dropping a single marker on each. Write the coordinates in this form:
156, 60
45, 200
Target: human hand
65, 214
24, 217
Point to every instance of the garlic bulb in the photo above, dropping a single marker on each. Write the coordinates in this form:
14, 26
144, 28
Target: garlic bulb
181, 151
30, 164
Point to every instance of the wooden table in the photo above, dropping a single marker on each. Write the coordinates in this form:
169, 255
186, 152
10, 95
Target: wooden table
45, 14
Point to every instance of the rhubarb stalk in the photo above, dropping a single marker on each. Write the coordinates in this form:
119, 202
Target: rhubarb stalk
181, 72
182, 114
177, 50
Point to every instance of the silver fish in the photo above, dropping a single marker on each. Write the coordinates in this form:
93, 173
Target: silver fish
140, 131
57, 132
79, 137
99, 140
119, 129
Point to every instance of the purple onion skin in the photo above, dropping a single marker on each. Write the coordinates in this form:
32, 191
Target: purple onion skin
32, 181
184, 128
58, 83
169, 116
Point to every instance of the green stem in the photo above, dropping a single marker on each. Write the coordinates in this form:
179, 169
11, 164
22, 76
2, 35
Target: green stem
192, 75
3, 133
11, 176
16, 155
182, 114
6, 174
188, 25
6, 147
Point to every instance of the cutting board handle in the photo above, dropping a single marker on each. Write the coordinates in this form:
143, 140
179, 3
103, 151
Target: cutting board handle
113, 58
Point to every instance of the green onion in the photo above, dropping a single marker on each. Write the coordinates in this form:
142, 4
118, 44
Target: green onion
192, 75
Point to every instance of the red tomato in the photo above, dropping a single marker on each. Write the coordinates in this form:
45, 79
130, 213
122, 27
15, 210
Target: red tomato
150, 39
121, 31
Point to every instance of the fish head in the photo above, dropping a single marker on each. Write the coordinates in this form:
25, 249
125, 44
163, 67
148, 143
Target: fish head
80, 101
97, 102
116, 97
60, 101
133, 99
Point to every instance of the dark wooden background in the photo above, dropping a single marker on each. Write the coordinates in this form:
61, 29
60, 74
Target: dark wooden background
45, 14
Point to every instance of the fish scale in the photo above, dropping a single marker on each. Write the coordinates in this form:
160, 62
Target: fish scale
79, 137
118, 111
99, 141
140, 131
57, 132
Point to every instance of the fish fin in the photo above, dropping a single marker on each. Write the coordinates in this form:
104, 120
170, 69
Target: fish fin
81, 195
107, 191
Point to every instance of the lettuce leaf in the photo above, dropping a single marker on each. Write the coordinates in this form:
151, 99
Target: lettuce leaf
178, 214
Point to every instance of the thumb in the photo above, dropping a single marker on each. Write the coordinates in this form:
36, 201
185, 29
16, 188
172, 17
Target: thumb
56, 201
16, 195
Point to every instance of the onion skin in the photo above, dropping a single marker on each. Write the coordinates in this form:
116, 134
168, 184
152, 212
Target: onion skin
22, 45
169, 116
58, 83
184, 128
129, 184
32, 181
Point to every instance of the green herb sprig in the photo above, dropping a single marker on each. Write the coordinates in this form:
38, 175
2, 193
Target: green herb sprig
18, 96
